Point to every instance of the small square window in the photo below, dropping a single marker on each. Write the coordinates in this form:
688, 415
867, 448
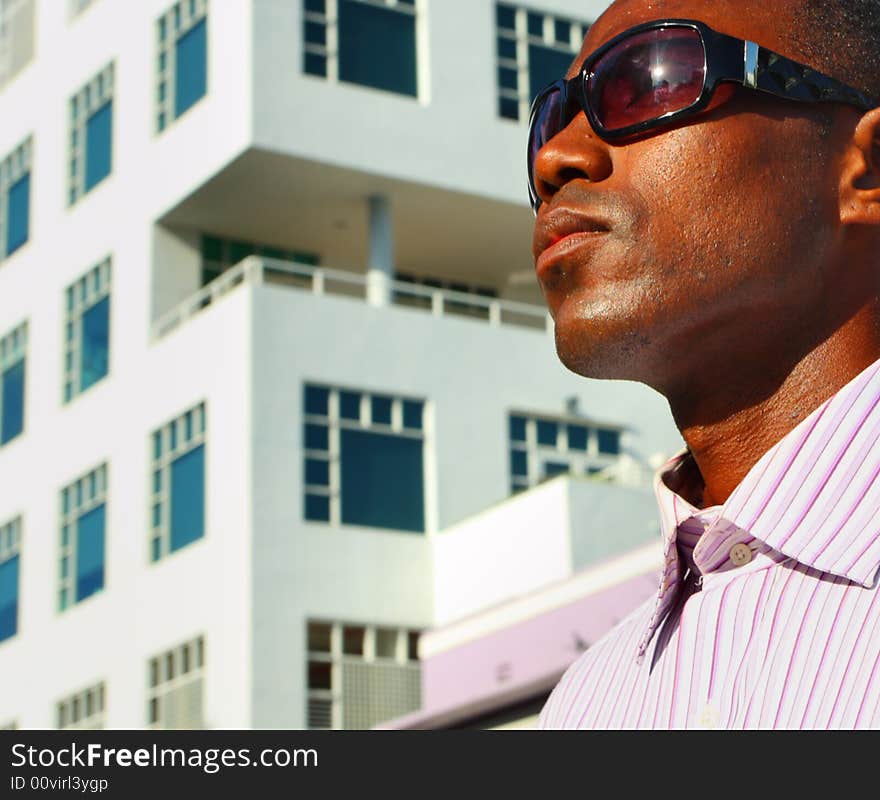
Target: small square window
317, 400
609, 442
505, 17
353, 640
317, 472
508, 108
380, 410
562, 31
319, 637
412, 415
315, 64
507, 78
350, 405
316, 33
577, 437
535, 25
517, 429
317, 437
547, 432
506, 47
317, 507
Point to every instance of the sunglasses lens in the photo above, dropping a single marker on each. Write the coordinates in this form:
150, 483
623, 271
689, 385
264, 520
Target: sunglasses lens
647, 76
546, 122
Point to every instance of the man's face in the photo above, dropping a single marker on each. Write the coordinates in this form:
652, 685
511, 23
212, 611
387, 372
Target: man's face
722, 234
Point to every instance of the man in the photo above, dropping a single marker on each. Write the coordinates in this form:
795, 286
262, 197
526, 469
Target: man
708, 223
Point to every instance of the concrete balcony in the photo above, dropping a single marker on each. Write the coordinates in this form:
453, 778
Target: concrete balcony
371, 287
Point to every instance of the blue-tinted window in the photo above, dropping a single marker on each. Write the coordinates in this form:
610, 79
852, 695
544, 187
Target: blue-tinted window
191, 71
505, 17
519, 464
12, 402
317, 400
187, 498
609, 442
317, 437
317, 508
315, 6
17, 213
377, 47
517, 429
545, 66
507, 78
412, 414
577, 437
8, 598
508, 107
99, 137
315, 64
95, 343
349, 405
547, 432
562, 31
90, 553
380, 410
535, 24
382, 482
317, 472
551, 469
506, 48
316, 33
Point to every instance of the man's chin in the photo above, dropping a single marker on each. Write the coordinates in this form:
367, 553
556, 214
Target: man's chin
596, 350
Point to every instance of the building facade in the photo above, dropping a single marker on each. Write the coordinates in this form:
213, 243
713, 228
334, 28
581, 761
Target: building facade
270, 340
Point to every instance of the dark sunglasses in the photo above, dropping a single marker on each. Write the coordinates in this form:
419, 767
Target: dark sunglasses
658, 73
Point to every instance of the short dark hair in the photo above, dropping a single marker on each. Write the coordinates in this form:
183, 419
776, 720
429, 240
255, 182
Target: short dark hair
842, 39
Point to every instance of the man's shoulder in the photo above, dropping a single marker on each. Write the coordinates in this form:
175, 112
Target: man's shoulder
576, 688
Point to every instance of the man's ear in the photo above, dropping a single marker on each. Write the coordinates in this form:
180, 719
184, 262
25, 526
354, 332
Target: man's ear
860, 175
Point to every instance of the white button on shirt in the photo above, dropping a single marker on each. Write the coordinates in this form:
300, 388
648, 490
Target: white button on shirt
740, 554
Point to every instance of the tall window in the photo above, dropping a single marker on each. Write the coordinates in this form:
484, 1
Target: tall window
175, 681
83, 521
13, 348
83, 710
91, 134
534, 49
178, 483
182, 67
15, 199
363, 459
543, 447
87, 330
219, 254
367, 42
16, 37
360, 675
10, 548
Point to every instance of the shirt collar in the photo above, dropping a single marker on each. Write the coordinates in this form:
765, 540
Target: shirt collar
814, 496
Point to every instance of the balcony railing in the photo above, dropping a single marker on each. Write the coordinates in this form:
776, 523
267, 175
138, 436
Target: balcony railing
324, 281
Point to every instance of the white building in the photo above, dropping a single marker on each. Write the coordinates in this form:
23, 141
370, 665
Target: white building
229, 438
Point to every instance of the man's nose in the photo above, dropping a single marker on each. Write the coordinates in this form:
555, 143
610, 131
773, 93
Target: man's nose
575, 153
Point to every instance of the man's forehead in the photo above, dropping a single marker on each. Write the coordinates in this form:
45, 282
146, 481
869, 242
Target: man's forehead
769, 22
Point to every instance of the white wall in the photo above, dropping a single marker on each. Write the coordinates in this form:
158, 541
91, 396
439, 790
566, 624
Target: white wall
428, 140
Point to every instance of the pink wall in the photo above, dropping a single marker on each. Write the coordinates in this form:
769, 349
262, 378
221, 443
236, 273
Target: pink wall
530, 650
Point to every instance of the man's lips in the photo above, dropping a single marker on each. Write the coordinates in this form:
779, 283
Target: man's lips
561, 232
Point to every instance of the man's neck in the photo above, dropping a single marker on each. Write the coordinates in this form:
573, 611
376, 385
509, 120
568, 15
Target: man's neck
732, 414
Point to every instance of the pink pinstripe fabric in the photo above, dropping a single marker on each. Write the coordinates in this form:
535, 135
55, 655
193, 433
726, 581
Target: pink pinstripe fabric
789, 640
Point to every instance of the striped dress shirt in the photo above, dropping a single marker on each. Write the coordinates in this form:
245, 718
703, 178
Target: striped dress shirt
768, 612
